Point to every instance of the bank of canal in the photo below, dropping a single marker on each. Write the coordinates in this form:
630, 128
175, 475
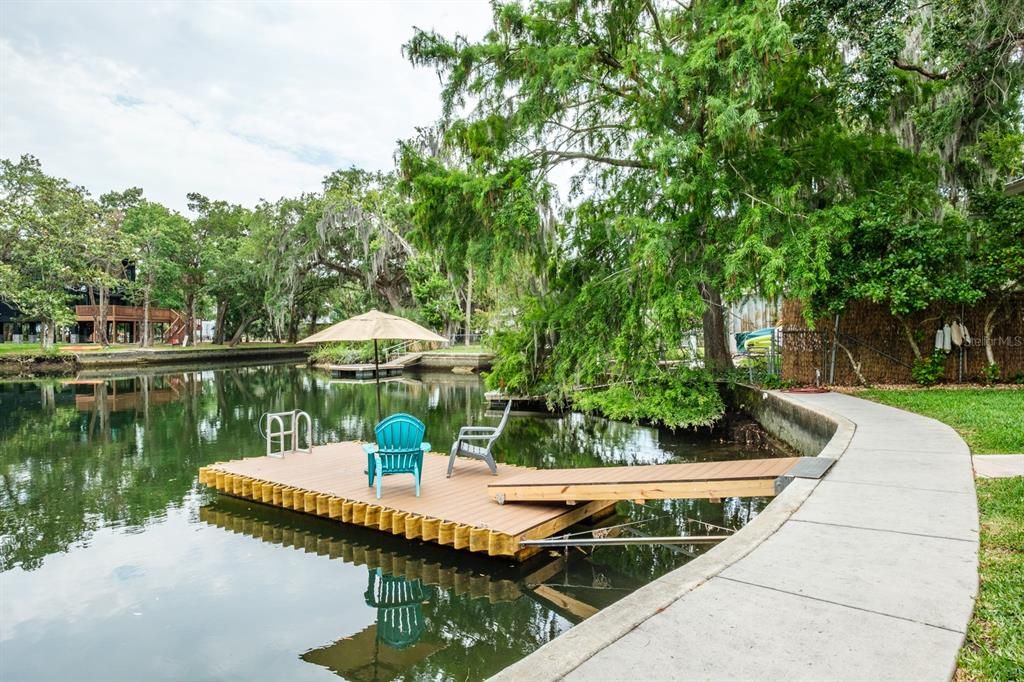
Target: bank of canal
108, 543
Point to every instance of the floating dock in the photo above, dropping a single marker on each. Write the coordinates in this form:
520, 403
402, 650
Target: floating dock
456, 512
365, 371
703, 480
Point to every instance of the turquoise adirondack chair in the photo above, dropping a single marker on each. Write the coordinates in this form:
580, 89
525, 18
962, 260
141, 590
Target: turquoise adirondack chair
399, 449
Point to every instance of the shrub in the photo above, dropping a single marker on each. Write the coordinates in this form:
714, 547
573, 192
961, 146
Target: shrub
990, 374
927, 371
343, 353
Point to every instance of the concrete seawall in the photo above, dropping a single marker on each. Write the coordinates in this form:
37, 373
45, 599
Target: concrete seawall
431, 361
129, 358
68, 364
869, 573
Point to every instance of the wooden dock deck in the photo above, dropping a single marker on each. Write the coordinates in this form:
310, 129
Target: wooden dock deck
735, 478
365, 370
456, 512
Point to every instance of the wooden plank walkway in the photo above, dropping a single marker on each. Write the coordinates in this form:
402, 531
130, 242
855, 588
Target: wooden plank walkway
456, 512
735, 478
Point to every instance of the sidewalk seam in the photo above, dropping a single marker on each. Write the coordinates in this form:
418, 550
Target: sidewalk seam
882, 530
846, 606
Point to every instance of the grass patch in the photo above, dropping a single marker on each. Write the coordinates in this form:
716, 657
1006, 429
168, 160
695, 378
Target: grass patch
25, 349
989, 419
460, 348
994, 649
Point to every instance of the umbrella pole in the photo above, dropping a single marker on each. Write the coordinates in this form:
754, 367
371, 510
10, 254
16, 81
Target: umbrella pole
376, 375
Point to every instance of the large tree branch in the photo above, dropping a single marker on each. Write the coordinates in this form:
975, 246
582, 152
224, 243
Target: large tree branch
559, 156
1015, 39
930, 75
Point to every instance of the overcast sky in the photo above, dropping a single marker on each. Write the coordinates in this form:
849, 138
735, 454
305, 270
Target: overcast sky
236, 100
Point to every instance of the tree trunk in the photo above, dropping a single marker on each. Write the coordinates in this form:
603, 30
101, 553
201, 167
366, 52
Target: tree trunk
293, 323
190, 319
854, 365
394, 297
101, 326
717, 357
469, 304
46, 334
990, 325
237, 336
910, 337
146, 339
219, 333
91, 299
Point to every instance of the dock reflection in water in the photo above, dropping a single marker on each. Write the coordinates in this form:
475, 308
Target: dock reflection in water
426, 597
106, 535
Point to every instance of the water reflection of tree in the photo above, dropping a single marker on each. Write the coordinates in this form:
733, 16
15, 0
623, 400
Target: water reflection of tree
473, 630
482, 638
120, 452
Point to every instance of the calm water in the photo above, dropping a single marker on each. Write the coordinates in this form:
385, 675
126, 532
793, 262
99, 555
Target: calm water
116, 564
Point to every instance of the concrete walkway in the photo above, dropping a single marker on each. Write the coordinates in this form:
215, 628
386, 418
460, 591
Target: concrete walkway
868, 574
998, 466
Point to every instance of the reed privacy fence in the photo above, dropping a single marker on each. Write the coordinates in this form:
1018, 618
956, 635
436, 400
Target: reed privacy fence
870, 345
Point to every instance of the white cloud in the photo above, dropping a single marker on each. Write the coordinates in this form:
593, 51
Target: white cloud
239, 101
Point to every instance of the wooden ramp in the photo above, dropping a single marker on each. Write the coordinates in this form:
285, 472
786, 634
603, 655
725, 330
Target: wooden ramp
456, 512
736, 478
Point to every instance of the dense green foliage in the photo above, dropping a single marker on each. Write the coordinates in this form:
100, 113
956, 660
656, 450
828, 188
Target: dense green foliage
265, 271
342, 353
43, 228
716, 149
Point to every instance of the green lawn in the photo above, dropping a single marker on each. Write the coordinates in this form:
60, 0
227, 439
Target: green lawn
460, 348
994, 649
989, 419
23, 349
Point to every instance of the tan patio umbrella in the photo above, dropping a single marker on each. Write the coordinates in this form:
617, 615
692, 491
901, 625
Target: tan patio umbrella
374, 326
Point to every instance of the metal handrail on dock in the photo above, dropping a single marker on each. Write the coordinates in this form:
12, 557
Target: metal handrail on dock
295, 420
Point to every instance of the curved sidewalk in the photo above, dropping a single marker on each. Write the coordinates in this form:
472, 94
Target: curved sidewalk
870, 573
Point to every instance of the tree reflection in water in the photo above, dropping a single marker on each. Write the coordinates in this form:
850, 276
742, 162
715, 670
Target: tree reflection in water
121, 452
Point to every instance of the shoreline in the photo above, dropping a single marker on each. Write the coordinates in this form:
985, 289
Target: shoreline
65, 363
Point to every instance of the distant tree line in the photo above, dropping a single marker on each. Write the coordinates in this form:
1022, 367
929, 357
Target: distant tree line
271, 270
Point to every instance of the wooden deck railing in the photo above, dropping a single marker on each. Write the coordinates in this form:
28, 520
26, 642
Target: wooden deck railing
125, 313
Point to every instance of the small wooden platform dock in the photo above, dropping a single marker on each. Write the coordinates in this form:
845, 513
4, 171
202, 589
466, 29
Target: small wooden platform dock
456, 512
735, 478
365, 370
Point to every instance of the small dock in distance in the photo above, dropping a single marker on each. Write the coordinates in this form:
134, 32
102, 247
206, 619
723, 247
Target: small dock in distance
365, 371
